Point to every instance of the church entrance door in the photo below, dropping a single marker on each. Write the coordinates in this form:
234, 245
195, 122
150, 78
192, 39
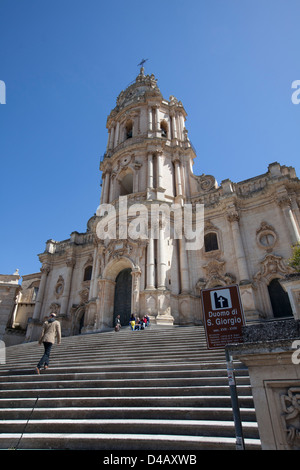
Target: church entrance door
279, 299
78, 321
122, 303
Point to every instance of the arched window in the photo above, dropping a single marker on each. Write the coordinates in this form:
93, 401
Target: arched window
211, 241
164, 129
126, 185
88, 273
128, 129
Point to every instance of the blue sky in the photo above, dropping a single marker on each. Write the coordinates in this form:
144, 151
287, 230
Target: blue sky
64, 62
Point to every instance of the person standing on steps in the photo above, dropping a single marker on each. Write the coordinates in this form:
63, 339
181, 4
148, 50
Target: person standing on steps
117, 323
51, 331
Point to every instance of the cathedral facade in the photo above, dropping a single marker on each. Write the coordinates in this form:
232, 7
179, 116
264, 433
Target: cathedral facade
247, 232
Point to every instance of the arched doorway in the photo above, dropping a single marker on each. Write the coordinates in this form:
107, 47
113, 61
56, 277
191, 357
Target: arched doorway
279, 299
122, 300
78, 321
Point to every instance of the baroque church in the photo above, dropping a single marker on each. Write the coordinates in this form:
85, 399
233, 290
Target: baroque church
249, 229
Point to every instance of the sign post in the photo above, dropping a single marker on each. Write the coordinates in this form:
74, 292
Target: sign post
223, 318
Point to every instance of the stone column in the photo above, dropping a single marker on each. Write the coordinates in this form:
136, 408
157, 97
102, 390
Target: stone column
137, 167
135, 297
112, 187
45, 269
117, 131
95, 259
285, 203
174, 136
295, 209
157, 123
233, 218
105, 188
178, 177
181, 120
184, 268
102, 189
67, 287
150, 123
150, 265
112, 138
186, 181
159, 170
105, 304
161, 265
150, 170
93, 292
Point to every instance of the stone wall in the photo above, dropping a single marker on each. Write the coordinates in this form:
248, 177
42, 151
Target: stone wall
9, 288
271, 351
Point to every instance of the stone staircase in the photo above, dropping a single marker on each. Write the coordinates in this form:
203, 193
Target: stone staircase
157, 389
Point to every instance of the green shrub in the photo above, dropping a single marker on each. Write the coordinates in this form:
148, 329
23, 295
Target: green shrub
294, 261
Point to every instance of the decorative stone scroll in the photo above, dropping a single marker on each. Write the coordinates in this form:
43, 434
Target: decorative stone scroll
215, 276
206, 183
271, 265
291, 416
54, 308
59, 287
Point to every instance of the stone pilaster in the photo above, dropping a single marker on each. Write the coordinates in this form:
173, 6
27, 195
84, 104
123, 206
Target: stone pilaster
233, 218
67, 287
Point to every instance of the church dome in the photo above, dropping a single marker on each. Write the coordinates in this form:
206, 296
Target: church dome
144, 85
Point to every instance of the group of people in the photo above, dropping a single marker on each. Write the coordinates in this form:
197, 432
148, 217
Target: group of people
139, 323
135, 323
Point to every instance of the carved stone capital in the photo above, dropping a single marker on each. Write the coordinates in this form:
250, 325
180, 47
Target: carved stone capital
45, 269
70, 262
233, 216
284, 201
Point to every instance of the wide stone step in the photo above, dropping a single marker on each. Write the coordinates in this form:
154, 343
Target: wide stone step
114, 383
124, 368
129, 426
123, 391
78, 441
135, 373
126, 401
129, 412
66, 360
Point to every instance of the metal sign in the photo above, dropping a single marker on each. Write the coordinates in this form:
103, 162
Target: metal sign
223, 316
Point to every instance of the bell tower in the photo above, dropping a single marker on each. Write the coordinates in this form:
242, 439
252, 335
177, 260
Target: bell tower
148, 152
148, 159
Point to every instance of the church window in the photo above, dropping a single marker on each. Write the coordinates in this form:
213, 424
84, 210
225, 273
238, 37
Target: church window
211, 241
128, 129
34, 293
267, 239
88, 273
164, 129
126, 185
